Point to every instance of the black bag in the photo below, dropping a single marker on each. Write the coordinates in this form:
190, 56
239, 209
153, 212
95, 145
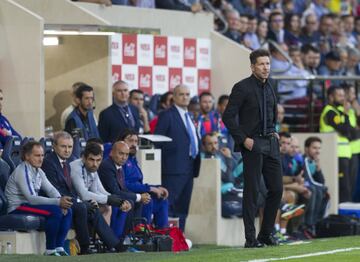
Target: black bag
148, 241
338, 225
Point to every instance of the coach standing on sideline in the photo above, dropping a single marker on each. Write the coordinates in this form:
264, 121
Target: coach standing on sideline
253, 100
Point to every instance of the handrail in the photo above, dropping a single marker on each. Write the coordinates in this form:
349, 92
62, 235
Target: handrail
206, 4
315, 77
283, 53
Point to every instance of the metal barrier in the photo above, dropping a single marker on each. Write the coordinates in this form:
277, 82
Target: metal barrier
317, 78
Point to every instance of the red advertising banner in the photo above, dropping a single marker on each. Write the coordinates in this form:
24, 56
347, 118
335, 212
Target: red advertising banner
129, 49
204, 80
189, 52
145, 79
160, 50
116, 73
175, 77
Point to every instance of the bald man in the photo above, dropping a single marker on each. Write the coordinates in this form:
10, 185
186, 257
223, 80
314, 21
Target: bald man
180, 157
113, 179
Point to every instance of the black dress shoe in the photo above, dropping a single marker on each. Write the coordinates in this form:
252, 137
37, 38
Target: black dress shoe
268, 240
87, 251
253, 244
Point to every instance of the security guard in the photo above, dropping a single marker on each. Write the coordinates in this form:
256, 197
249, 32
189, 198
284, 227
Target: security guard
352, 112
334, 120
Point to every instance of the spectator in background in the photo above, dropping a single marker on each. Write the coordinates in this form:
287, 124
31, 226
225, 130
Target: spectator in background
194, 109
276, 27
101, 2
81, 121
22, 191
311, 58
137, 99
352, 67
280, 126
309, 31
331, 67
233, 32
143, 3
57, 170
166, 101
318, 7
6, 129
292, 30
208, 120
344, 56
120, 115
180, 158
323, 37
251, 40
180, 5
261, 32
348, 21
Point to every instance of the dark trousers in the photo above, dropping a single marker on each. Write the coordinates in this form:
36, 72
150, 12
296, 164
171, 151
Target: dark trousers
354, 167
83, 216
264, 159
180, 189
344, 180
159, 207
57, 224
118, 221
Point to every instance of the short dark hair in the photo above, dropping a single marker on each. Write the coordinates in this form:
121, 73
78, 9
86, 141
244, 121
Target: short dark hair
222, 99
332, 89
275, 13
285, 134
28, 147
136, 91
206, 93
92, 148
311, 140
211, 134
125, 133
95, 140
258, 53
81, 89
305, 49
164, 97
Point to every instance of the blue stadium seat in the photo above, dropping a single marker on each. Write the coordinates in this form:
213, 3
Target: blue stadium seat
47, 144
154, 103
11, 153
15, 222
79, 146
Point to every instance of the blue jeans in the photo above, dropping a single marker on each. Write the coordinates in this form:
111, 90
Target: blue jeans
159, 207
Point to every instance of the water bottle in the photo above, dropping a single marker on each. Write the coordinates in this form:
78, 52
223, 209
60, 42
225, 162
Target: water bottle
8, 248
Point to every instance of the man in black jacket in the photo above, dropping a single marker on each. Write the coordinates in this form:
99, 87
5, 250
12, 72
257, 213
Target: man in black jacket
253, 101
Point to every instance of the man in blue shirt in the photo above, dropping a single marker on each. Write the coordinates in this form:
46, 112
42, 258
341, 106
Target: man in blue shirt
6, 129
158, 206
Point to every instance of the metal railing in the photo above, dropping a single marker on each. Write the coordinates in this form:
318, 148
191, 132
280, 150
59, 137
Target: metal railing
312, 80
209, 7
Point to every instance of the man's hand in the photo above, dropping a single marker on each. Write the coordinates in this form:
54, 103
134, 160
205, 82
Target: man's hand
145, 198
249, 143
164, 192
94, 204
65, 202
125, 206
226, 152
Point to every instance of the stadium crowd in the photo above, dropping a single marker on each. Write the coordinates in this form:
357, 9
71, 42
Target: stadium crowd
103, 186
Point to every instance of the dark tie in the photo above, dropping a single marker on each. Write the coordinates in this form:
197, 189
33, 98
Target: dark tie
66, 174
129, 119
264, 110
191, 135
120, 178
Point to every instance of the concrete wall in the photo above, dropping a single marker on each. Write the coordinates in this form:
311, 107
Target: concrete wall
77, 58
230, 64
21, 73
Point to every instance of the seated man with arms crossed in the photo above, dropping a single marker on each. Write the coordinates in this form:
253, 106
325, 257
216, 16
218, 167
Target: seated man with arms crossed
57, 169
85, 179
22, 192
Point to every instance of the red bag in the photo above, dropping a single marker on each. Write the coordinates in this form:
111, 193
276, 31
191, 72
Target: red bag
179, 242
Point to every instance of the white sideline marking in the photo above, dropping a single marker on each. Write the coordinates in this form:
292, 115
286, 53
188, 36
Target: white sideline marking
307, 255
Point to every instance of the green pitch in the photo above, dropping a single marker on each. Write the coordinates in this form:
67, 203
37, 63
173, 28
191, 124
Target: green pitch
343, 249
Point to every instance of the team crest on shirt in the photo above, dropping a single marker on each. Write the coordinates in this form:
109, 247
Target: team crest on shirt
337, 120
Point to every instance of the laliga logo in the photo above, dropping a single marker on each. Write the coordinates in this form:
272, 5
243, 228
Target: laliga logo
204, 82
160, 78
145, 80
160, 51
190, 53
204, 51
145, 47
130, 77
175, 80
129, 49
190, 79
175, 48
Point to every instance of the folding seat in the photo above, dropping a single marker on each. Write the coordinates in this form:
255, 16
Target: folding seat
11, 153
47, 144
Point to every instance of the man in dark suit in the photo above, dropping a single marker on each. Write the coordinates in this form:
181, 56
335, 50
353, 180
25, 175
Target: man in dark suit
57, 171
112, 177
180, 159
250, 116
120, 115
